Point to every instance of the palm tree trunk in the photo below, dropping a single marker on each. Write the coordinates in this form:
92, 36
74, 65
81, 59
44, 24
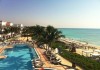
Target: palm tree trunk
73, 65
27, 38
46, 47
49, 45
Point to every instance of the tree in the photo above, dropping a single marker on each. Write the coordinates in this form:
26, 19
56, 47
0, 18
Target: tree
50, 35
38, 33
26, 32
43, 35
11, 30
73, 50
73, 47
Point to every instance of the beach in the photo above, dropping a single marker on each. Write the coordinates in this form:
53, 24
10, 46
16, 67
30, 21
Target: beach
81, 46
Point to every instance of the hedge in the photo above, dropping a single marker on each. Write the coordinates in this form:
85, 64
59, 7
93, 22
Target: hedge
84, 62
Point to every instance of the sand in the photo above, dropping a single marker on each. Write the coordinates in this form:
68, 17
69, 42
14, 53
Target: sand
82, 46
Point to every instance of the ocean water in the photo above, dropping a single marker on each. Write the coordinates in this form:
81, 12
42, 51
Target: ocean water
91, 36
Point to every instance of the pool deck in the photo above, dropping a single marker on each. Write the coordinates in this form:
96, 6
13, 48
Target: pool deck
8, 46
65, 63
1, 50
5, 47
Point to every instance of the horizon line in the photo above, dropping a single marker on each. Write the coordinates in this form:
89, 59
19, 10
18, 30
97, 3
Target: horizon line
77, 28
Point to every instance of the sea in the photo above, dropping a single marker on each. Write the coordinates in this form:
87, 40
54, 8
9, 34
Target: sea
91, 36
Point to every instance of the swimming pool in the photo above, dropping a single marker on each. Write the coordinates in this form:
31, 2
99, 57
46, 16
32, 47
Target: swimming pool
18, 58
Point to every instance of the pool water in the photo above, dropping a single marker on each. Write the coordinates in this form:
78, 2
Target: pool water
18, 58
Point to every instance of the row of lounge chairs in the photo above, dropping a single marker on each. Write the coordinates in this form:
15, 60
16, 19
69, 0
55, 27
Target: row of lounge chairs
95, 54
52, 58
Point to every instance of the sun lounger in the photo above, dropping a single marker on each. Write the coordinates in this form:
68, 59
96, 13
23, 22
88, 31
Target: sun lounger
3, 56
95, 55
37, 63
97, 51
70, 69
55, 61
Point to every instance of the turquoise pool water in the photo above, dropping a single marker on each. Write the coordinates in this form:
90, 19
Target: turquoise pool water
18, 58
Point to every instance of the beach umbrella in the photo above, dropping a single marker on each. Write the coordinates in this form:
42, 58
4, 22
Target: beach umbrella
56, 50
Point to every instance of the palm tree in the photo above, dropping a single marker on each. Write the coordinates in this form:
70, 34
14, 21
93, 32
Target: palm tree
45, 35
37, 33
15, 30
6, 30
51, 35
11, 30
73, 50
26, 32
73, 47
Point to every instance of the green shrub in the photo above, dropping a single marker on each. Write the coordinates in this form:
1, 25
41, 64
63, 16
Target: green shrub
57, 44
84, 62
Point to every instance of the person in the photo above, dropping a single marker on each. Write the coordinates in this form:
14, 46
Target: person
41, 68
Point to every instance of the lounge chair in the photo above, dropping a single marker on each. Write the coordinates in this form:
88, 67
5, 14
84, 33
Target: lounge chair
37, 63
3, 56
70, 69
55, 61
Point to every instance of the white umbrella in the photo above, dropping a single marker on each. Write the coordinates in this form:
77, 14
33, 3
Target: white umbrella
56, 50
0, 36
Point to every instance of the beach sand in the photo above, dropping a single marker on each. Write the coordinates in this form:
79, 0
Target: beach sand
81, 46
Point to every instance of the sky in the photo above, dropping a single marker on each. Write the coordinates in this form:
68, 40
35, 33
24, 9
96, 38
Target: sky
58, 13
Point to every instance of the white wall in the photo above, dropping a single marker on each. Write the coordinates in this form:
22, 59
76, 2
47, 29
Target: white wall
4, 23
11, 24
